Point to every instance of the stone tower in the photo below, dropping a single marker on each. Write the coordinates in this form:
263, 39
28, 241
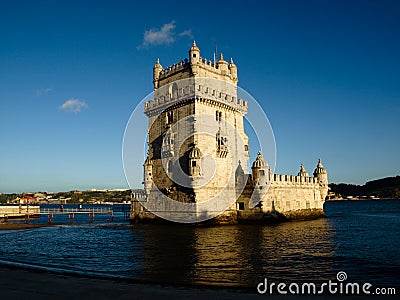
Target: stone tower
196, 138
322, 176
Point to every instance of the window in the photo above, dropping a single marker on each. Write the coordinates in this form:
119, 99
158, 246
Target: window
241, 205
246, 147
218, 115
262, 173
194, 54
193, 163
170, 117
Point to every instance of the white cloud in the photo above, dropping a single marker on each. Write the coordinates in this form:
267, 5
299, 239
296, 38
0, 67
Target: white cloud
162, 36
187, 33
73, 105
154, 37
40, 92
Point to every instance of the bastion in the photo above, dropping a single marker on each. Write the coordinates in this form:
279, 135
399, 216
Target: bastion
196, 124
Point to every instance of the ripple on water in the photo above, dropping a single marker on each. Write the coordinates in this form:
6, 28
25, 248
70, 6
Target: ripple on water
358, 237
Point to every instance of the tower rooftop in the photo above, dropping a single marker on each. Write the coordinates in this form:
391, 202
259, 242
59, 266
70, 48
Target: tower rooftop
195, 79
195, 66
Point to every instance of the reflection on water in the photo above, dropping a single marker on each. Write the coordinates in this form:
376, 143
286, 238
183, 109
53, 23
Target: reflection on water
237, 255
360, 238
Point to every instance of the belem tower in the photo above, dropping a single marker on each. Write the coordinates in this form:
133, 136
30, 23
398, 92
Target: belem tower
198, 152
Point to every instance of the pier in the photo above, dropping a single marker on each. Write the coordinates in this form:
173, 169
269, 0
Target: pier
28, 212
71, 212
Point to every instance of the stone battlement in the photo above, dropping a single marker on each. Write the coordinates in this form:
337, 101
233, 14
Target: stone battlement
195, 66
198, 92
182, 64
280, 178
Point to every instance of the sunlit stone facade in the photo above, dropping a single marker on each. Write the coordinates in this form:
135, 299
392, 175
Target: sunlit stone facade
198, 150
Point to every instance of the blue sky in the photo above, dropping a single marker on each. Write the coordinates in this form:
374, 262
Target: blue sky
327, 74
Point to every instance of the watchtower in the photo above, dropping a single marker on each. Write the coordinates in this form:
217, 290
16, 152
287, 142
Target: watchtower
196, 137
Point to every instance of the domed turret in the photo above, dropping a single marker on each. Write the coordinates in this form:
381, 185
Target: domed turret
233, 69
194, 161
259, 169
157, 69
303, 172
194, 54
222, 64
321, 174
259, 162
195, 153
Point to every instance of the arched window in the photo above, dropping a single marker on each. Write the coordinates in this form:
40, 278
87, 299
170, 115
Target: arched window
170, 117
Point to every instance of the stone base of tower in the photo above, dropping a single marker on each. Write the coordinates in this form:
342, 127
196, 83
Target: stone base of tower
305, 214
230, 217
273, 217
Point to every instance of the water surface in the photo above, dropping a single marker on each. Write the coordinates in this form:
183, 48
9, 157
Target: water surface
358, 237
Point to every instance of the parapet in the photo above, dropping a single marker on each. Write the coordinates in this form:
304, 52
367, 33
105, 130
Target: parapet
200, 89
195, 66
293, 179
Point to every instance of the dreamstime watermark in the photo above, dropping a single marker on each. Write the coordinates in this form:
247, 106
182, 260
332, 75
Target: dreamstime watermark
334, 287
192, 135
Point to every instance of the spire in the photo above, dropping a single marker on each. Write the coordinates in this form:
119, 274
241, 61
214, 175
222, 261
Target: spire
320, 168
239, 169
221, 57
303, 172
215, 54
194, 46
157, 64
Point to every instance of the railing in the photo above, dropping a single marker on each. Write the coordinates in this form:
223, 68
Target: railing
75, 210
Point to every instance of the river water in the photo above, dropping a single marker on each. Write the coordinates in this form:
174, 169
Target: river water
360, 238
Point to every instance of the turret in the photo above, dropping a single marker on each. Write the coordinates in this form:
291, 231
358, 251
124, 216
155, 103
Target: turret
148, 175
233, 69
194, 162
260, 170
194, 54
222, 65
321, 174
261, 175
157, 69
303, 172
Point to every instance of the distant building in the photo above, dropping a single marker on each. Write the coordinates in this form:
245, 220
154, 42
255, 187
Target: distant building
28, 200
176, 119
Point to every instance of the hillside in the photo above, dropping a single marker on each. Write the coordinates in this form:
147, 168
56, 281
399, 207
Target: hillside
72, 196
388, 187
